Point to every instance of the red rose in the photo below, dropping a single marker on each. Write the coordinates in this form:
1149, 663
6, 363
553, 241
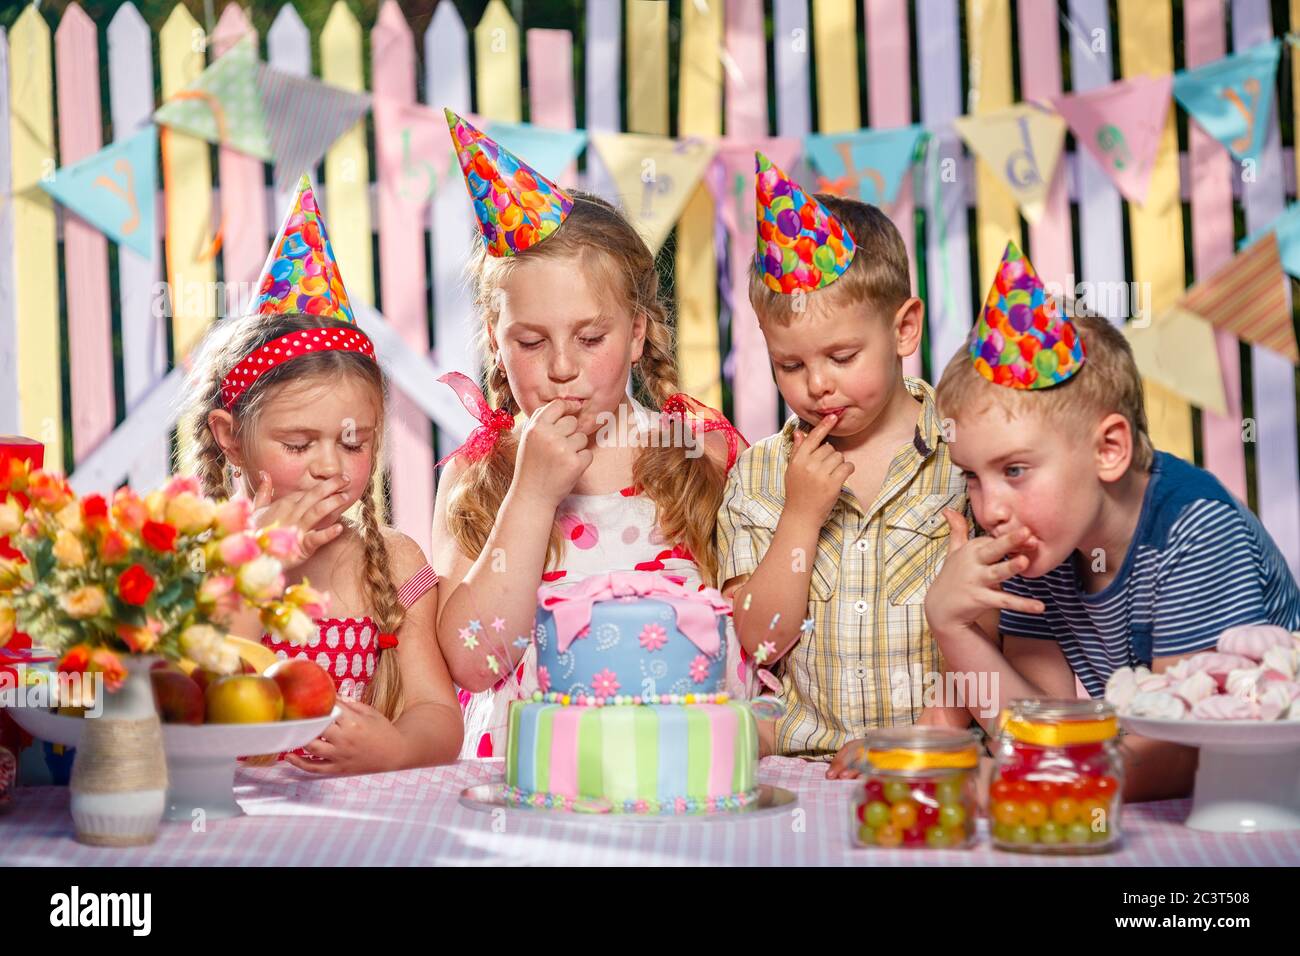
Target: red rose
159, 536
75, 661
94, 508
135, 585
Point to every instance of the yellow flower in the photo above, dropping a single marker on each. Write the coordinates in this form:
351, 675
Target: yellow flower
190, 514
11, 574
68, 550
11, 517
84, 602
69, 517
8, 621
156, 505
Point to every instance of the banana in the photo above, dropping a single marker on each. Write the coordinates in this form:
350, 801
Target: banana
257, 656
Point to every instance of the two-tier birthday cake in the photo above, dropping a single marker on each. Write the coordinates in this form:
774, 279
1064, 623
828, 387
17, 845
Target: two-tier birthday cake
630, 716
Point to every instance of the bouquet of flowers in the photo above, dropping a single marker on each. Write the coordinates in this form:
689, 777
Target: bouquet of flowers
96, 578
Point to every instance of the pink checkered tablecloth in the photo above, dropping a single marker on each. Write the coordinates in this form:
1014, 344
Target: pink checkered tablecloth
414, 818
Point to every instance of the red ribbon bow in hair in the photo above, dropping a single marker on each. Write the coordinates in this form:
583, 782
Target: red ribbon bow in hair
387, 641
495, 421
710, 419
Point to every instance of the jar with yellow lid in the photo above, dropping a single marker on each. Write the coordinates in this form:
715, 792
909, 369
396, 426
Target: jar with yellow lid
919, 789
1057, 778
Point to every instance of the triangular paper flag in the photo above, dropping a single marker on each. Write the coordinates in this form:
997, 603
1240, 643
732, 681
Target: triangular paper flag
303, 118
113, 190
1121, 125
223, 104
655, 177
1177, 350
550, 151
1022, 145
412, 154
1287, 229
1248, 297
731, 180
1231, 98
868, 164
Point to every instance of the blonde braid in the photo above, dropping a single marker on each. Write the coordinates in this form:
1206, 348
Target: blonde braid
658, 365
385, 691
207, 461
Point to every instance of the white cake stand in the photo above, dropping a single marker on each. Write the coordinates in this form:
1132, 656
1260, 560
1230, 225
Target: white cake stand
1248, 775
201, 758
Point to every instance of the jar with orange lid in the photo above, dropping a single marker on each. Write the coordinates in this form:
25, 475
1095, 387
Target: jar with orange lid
1057, 778
918, 789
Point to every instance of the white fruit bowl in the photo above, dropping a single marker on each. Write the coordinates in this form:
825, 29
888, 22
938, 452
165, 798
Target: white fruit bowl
201, 758
1248, 773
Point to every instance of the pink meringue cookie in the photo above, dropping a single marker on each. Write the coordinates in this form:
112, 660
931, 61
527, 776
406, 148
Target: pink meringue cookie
1244, 683
1154, 682
1159, 704
1121, 687
1179, 671
1218, 665
1252, 640
1281, 693
1224, 707
1280, 663
1196, 688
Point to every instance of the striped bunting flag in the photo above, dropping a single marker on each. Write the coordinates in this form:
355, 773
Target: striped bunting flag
1247, 297
303, 119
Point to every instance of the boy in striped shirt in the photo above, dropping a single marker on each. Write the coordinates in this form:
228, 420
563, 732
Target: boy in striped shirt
1100, 551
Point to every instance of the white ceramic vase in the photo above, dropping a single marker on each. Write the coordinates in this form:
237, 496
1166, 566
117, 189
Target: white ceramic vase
119, 776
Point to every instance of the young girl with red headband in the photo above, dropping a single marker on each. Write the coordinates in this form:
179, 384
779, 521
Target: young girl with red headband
610, 468
286, 409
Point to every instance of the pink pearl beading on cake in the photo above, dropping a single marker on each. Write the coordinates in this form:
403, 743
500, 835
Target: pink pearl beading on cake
621, 700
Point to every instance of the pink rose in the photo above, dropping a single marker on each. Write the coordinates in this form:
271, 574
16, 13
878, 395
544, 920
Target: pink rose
238, 549
233, 516
181, 484
219, 596
282, 543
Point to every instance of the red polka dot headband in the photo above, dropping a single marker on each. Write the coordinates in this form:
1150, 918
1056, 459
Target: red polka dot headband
285, 349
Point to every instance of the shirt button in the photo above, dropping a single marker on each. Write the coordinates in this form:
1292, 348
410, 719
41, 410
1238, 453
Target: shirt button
862, 544
860, 672
860, 607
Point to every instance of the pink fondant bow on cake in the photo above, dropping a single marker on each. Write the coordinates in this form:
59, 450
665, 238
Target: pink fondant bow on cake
697, 611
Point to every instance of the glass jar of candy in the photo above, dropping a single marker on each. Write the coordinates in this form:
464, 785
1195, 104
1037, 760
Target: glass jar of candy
919, 789
1057, 778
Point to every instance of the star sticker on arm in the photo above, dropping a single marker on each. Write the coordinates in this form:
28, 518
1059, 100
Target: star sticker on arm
492, 664
499, 624
468, 639
475, 626
807, 625
522, 641
775, 618
765, 651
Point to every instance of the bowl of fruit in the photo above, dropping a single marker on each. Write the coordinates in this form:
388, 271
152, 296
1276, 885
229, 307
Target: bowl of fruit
209, 721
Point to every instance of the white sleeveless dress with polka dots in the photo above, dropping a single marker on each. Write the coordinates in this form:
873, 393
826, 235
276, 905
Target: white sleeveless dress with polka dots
603, 533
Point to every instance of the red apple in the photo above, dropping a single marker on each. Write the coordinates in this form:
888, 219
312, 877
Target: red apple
308, 691
179, 699
244, 699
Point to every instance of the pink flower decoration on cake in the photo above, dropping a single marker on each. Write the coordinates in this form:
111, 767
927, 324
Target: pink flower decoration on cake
543, 679
605, 683
653, 637
578, 532
699, 669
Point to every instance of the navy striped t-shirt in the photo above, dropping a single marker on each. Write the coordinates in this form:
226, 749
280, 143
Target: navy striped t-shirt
1199, 563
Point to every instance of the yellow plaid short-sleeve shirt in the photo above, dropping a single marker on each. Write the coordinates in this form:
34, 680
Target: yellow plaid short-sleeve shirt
866, 660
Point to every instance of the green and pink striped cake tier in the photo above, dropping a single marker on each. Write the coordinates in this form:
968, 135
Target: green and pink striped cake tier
652, 758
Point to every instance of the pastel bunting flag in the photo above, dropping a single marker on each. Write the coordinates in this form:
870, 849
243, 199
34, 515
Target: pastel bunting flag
801, 245
1121, 125
1177, 350
223, 105
114, 190
1232, 97
655, 177
301, 274
550, 151
1021, 339
517, 207
731, 179
867, 164
304, 117
1248, 296
1022, 144
411, 150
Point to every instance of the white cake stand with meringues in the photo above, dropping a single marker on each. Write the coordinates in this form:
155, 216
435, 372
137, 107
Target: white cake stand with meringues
201, 758
1248, 774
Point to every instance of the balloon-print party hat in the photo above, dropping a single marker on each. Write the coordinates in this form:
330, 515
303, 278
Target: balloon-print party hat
802, 246
301, 274
1021, 340
517, 207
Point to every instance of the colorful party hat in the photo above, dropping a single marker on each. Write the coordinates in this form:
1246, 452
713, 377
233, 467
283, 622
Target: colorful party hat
517, 207
1021, 340
301, 274
801, 245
